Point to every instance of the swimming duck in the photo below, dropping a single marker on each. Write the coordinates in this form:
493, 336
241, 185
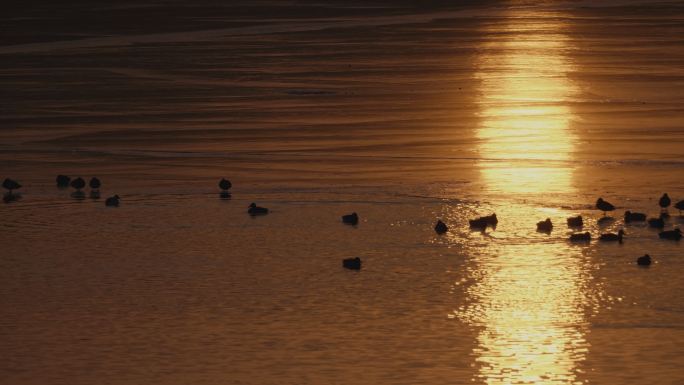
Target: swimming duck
634, 217
441, 227
545, 226
657, 223
482, 222
575, 221
352, 263
491, 220
256, 210
478, 223
224, 184
78, 183
604, 206
63, 181
605, 220
644, 261
664, 202
580, 237
674, 235
350, 219
112, 201
611, 237
679, 206
94, 183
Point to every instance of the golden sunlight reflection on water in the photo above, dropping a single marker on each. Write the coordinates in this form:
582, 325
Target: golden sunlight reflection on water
528, 297
527, 303
524, 137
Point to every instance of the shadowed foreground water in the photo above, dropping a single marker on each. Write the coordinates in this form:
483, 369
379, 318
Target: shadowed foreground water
404, 114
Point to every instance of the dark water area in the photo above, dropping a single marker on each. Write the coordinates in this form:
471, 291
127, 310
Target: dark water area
403, 111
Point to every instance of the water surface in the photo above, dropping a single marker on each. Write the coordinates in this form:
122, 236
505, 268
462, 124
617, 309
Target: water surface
403, 113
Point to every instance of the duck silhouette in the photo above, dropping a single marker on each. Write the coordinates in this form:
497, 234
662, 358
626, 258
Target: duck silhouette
545, 226
62, 181
256, 210
492, 220
657, 223
112, 201
224, 184
644, 261
352, 263
78, 183
679, 206
351, 219
11, 185
482, 223
441, 227
604, 206
479, 224
94, 183
575, 221
580, 237
605, 220
674, 235
634, 217
664, 202
611, 237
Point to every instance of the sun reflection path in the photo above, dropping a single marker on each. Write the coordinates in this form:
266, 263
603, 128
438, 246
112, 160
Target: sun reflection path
524, 135
527, 296
531, 329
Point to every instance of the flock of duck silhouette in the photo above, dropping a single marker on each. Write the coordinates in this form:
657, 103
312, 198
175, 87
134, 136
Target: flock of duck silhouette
481, 223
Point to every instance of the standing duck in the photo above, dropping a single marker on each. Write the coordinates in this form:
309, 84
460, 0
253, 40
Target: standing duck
611, 237
256, 210
78, 183
351, 219
664, 202
10, 184
94, 188
224, 184
545, 226
604, 206
94, 183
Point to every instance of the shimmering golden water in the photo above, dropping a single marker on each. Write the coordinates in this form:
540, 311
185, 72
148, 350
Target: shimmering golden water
528, 301
524, 96
403, 112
